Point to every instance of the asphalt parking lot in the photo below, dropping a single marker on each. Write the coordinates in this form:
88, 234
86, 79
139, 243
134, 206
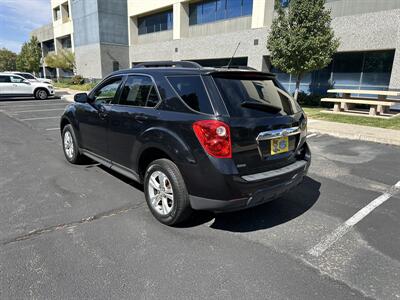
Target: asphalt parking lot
76, 232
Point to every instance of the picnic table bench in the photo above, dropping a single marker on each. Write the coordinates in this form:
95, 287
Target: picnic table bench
377, 106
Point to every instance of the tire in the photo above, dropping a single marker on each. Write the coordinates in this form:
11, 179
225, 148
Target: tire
70, 146
41, 94
165, 210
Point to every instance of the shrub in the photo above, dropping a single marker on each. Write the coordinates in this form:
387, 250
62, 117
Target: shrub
311, 100
77, 79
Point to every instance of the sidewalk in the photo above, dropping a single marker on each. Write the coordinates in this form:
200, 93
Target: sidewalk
355, 132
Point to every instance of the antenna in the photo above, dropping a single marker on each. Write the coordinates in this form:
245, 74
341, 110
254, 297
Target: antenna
234, 53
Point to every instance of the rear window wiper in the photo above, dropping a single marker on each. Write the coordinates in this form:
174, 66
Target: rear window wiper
261, 106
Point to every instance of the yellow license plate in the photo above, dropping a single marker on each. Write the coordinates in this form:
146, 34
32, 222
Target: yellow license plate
279, 145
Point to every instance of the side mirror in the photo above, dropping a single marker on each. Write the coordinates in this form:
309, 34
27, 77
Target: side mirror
26, 82
81, 98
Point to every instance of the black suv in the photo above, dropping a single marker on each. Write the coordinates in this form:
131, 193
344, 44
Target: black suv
197, 138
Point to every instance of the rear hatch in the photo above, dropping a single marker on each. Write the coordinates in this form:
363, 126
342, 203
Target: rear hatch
265, 121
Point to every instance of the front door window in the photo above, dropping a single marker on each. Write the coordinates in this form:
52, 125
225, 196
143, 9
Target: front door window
107, 93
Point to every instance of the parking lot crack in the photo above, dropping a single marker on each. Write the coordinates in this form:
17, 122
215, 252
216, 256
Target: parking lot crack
63, 226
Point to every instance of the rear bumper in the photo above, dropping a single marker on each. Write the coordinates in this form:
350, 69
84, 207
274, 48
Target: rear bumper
259, 196
233, 192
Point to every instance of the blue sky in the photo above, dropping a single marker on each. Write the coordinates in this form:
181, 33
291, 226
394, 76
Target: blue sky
18, 18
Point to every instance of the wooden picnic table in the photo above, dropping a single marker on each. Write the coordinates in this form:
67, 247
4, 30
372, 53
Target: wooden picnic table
377, 106
382, 94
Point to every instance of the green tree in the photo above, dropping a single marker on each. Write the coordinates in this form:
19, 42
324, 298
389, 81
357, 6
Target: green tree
8, 60
301, 38
64, 59
29, 58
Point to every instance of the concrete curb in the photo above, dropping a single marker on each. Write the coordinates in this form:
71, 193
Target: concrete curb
68, 98
355, 132
69, 94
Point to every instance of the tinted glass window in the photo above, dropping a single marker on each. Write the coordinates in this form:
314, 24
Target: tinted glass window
106, 94
377, 68
368, 70
157, 22
139, 91
17, 79
192, 91
4, 79
27, 76
261, 92
115, 66
213, 10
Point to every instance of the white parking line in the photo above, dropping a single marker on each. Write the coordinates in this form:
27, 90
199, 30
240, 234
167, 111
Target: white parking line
44, 118
36, 110
52, 129
30, 101
339, 232
33, 105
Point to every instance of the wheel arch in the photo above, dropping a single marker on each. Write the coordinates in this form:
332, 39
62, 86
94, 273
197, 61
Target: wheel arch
69, 118
162, 143
41, 88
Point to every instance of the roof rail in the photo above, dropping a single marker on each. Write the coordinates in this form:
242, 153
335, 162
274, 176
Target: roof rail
171, 64
239, 67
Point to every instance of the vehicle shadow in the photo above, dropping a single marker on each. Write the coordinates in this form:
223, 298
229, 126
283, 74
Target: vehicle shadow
282, 210
123, 178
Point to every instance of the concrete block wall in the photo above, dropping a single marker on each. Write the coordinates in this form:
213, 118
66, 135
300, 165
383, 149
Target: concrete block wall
100, 35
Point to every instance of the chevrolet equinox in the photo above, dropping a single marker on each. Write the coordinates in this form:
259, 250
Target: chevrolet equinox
218, 139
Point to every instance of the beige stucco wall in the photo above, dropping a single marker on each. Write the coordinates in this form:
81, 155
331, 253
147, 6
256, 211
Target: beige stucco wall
138, 7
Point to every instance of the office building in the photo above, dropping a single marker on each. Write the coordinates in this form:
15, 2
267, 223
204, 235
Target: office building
209, 31
95, 30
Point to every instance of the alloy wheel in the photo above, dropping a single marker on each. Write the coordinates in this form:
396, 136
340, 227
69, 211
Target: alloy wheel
68, 145
42, 94
161, 193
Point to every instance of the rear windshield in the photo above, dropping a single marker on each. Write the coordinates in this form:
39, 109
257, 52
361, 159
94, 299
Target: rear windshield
262, 93
192, 91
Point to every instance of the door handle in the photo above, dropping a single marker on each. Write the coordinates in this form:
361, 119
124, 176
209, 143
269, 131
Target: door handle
102, 113
141, 117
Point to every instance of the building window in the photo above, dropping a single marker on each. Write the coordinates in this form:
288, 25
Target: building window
48, 46
157, 22
57, 13
369, 70
66, 43
115, 66
208, 11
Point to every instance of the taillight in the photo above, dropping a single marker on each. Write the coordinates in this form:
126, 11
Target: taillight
215, 137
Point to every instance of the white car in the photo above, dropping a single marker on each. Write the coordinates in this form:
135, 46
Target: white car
13, 85
32, 78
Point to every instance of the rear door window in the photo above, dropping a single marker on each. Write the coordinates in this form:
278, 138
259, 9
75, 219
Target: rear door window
192, 91
259, 95
16, 79
139, 91
4, 79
